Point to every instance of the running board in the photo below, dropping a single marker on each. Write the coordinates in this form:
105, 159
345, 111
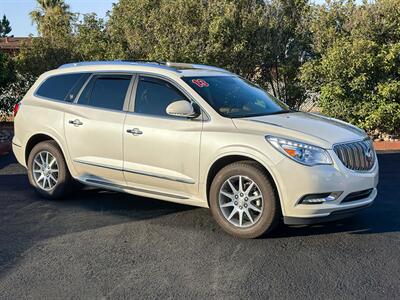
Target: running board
118, 186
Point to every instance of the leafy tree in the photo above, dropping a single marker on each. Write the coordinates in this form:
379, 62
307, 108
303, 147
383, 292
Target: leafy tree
54, 46
286, 46
5, 27
218, 32
52, 17
91, 39
6, 69
261, 40
356, 66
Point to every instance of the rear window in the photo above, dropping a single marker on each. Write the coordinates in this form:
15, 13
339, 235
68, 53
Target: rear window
106, 91
62, 87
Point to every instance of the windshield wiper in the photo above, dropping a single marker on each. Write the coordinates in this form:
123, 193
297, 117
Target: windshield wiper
263, 114
281, 112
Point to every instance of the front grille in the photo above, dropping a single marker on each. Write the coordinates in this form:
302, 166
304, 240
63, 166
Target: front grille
357, 195
357, 156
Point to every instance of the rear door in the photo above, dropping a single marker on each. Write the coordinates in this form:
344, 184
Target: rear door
161, 152
94, 126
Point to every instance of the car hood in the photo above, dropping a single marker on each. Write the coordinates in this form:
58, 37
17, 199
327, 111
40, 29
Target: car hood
308, 127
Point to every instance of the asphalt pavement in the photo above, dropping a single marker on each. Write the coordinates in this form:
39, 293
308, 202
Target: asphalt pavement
99, 244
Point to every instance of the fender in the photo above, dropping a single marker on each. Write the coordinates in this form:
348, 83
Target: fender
63, 148
251, 153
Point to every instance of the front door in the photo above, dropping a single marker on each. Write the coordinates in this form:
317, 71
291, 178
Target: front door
161, 153
94, 127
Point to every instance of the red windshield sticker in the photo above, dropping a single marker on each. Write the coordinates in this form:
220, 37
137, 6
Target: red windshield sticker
200, 83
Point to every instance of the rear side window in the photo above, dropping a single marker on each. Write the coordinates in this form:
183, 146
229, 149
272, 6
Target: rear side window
154, 95
106, 91
62, 87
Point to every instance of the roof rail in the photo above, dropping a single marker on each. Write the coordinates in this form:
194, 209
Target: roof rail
195, 66
154, 64
171, 66
159, 62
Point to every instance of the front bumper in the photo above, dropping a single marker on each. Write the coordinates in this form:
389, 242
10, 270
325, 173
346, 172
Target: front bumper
333, 216
296, 180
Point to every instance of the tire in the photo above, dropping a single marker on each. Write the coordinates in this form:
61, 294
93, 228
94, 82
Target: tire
63, 182
262, 220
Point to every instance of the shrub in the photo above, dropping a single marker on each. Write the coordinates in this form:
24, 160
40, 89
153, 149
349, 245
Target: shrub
356, 67
13, 93
6, 69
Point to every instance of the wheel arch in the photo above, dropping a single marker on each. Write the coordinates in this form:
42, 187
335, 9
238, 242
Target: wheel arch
41, 137
227, 159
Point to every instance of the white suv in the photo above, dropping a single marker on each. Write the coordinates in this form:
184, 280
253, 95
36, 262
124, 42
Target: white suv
192, 134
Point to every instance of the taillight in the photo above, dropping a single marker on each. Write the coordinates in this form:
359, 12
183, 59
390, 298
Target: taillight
16, 108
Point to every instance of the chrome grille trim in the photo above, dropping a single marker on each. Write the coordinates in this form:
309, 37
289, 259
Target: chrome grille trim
357, 156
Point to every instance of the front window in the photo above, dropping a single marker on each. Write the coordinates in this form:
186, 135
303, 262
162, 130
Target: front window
234, 97
153, 96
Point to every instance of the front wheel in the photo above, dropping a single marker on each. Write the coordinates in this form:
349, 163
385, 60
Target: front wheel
243, 201
47, 170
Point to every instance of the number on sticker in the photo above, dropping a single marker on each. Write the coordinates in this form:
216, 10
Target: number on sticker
200, 83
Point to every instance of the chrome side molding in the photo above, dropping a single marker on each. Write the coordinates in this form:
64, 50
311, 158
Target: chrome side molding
97, 165
118, 186
171, 178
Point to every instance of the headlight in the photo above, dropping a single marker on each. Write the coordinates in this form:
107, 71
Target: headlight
302, 153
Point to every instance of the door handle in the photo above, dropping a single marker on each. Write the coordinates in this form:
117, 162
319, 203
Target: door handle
134, 131
75, 122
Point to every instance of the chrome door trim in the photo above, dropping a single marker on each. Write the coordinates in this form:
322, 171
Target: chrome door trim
165, 177
118, 186
97, 165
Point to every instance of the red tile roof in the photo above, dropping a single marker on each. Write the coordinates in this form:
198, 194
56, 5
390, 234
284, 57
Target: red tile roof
12, 43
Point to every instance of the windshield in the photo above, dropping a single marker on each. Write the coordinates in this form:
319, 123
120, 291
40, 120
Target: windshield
234, 97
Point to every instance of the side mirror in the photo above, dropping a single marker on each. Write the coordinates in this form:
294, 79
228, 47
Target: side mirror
181, 108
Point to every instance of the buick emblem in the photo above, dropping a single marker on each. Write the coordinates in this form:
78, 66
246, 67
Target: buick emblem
368, 154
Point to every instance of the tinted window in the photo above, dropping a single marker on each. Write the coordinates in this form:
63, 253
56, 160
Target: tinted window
234, 97
106, 91
154, 95
62, 87
77, 87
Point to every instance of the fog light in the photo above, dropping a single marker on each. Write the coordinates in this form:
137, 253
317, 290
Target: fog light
320, 198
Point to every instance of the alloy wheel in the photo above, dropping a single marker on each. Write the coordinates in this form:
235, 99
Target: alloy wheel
241, 201
45, 170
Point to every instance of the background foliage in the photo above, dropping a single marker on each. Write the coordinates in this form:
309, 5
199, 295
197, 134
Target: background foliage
5, 27
344, 56
13, 92
355, 67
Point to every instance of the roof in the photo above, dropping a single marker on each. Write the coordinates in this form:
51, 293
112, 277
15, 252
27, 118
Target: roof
118, 63
12, 43
182, 69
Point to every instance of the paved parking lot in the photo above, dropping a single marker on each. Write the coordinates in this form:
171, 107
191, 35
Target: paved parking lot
98, 244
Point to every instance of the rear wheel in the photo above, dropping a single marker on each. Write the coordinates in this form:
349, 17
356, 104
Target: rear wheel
48, 172
243, 201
